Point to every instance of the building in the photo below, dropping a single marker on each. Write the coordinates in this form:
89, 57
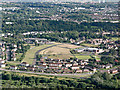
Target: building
2, 65
24, 64
37, 40
78, 71
13, 67
86, 70
68, 64
95, 50
113, 71
79, 50
2, 61
75, 67
42, 66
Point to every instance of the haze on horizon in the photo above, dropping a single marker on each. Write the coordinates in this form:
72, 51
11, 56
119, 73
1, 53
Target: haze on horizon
58, 0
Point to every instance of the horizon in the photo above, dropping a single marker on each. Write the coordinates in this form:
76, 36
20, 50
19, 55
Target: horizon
59, 0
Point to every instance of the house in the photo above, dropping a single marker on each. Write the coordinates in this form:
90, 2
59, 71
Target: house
37, 40
101, 66
78, 71
67, 71
30, 68
91, 68
116, 61
2, 61
42, 66
14, 58
94, 69
97, 60
55, 64
86, 70
119, 69
75, 63
24, 64
13, 67
95, 50
113, 71
2, 65
108, 66
95, 41
53, 67
79, 50
75, 67
22, 68
68, 64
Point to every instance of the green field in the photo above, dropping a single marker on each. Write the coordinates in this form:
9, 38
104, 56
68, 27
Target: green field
12, 63
62, 56
89, 45
83, 57
115, 38
30, 54
18, 56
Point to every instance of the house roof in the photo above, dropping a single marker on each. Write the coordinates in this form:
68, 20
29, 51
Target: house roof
24, 63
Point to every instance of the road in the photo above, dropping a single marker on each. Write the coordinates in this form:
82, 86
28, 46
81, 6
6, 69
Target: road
31, 72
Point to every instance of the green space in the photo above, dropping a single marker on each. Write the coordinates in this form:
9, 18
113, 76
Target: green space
18, 56
62, 56
89, 45
11, 63
97, 57
30, 54
115, 38
83, 57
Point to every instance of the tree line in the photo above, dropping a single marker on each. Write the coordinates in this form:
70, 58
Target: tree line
51, 25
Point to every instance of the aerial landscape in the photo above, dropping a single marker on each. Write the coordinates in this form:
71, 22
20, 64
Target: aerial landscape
57, 44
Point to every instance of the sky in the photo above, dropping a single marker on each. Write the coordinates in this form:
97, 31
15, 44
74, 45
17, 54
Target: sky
57, 0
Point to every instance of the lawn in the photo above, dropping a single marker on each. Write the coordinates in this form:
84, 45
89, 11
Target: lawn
83, 57
115, 38
62, 56
30, 54
12, 63
45, 76
59, 77
89, 45
18, 56
97, 57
